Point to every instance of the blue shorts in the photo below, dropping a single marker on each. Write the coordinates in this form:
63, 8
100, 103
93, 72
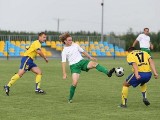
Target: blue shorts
27, 63
145, 77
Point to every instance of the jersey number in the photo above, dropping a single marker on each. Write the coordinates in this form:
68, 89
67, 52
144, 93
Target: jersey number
140, 57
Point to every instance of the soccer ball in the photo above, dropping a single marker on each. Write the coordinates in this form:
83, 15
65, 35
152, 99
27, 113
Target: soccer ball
119, 71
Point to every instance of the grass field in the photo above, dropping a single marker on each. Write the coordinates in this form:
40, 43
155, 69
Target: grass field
96, 97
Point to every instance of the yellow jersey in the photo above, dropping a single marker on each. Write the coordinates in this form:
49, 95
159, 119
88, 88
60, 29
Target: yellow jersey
141, 59
31, 52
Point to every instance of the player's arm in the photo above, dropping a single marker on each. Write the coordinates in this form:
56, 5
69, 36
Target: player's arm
131, 61
64, 57
41, 54
137, 40
151, 46
88, 56
64, 70
135, 67
134, 43
153, 68
85, 53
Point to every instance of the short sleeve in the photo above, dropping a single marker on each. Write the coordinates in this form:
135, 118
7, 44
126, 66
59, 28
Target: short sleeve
64, 57
139, 37
37, 46
79, 48
147, 55
130, 59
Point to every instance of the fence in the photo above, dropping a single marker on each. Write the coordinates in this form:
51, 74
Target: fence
108, 38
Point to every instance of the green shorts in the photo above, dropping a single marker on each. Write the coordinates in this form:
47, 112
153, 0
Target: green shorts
81, 65
146, 50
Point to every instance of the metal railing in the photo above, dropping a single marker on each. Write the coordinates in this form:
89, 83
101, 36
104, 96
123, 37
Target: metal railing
109, 38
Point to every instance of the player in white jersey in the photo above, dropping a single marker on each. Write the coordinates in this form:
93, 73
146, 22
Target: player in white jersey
72, 53
144, 41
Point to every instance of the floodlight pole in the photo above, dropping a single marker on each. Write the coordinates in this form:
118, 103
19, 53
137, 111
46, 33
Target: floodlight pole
58, 23
102, 4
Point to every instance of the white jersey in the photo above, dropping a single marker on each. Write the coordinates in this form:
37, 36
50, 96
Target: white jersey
72, 54
144, 41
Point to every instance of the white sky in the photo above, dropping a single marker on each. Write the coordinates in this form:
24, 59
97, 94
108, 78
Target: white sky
76, 15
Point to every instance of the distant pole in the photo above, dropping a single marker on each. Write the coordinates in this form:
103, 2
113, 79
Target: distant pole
58, 23
102, 4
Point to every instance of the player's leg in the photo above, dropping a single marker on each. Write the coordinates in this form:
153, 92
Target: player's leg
145, 76
130, 81
38, 73
75, 77
100, 68
124, 94
13, 79
144, 90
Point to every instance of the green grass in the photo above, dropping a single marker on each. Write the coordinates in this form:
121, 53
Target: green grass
96, 97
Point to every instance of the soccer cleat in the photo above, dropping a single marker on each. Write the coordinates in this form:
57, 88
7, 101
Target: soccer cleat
111, 72
6, 88
146, 102
70, 101
40, 91
122, 106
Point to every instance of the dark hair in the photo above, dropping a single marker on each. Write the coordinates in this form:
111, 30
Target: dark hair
41, 33
63, 37
131, 49
146, 29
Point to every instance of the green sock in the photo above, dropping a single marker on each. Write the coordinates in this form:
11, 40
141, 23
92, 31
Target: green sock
101, 69
72, 90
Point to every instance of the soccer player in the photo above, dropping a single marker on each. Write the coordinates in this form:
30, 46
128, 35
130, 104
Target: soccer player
72, 52
144, 41
141, 63
27, 64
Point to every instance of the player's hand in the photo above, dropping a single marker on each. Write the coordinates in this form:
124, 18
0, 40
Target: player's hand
46, 59
64, 76
156, 76
151, 46
138, 77
93, 58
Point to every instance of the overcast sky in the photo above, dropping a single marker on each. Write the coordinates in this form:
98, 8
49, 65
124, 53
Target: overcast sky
76, 15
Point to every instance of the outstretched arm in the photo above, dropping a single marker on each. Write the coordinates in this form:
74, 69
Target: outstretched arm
88, 56
134, 43
42, 55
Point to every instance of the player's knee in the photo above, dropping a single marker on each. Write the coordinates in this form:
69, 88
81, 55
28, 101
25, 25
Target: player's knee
94, 64
20, 75
74, 83
126, 84
39, 73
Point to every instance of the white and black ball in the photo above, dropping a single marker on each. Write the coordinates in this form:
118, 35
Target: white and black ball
119, 71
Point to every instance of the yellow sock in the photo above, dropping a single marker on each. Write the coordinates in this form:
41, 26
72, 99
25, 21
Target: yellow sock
143, 90
38, 80
124, 95
13, 80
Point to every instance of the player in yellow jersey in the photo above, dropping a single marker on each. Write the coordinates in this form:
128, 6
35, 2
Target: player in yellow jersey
27, 64
141, 63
